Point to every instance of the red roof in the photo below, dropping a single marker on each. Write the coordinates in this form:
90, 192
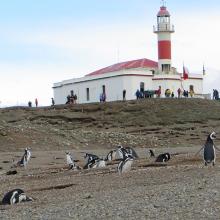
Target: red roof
163, 12
141, 63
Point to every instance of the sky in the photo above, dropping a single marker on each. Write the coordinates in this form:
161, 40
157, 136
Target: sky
47, 41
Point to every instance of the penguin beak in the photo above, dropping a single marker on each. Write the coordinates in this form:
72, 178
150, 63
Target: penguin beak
28, 199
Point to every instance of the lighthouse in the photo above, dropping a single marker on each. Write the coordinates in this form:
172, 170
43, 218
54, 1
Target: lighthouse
164, 29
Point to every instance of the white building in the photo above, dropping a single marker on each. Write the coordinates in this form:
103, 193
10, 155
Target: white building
142, 74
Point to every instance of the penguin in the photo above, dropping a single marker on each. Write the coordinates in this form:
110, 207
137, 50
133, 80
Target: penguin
163, 157
95, 163
121, 153
125, 165
15, 196
90, 157
209, 148
12, 172
209, 155
132, 152
70, 162
25, 158
151, 153
111, 155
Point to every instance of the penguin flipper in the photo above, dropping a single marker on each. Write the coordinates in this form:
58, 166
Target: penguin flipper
199, 151
217, 148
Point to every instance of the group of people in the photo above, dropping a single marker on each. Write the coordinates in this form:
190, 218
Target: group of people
168, 93
215, 94
71, 99
36, 103
140, 94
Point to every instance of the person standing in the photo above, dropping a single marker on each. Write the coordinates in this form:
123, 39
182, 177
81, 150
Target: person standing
124, 95
53, 102
30, 104
179, 92
159, 92
36, 102
138, 94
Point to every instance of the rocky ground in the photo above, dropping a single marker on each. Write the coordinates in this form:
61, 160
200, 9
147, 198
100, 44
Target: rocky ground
181, 189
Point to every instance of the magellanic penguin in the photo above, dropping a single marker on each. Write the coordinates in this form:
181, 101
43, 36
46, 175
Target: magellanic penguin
121, 153
209, 155
163, 157
209, 149
90, 157
70, 162
95, 163
15, 196
125, 165
25, 158
111, 155
132, 152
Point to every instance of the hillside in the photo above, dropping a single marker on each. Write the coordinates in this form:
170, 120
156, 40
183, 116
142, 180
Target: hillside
182, 188
144, 123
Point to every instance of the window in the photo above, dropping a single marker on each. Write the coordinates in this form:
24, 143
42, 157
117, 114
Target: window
165, 67
142, 87
87, 94
71, 93
103, 89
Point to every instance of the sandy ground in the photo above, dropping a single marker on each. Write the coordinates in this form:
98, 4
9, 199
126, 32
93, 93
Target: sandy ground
183, 189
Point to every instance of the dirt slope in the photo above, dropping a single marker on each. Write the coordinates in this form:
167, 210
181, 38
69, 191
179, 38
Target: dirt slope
144, 123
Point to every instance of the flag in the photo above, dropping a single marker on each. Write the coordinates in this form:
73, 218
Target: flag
185, 73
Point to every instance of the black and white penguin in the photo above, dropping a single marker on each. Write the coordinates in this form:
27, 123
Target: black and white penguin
95, 163
163, 157
131, 151
90, 157
111, 155
121, 153
70, 162
25, 158
209, 150
125, 165
15, 196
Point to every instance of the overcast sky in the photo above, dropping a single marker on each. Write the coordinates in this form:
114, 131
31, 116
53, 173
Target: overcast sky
47, 41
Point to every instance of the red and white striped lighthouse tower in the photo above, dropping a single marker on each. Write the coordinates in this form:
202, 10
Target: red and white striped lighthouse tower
164, 30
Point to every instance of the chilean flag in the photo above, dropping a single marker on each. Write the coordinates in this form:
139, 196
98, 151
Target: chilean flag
185, 73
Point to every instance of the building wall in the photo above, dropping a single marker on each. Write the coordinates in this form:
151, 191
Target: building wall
116, 82
114, 85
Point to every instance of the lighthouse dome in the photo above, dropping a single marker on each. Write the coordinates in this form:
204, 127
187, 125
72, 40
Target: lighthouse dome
163, 12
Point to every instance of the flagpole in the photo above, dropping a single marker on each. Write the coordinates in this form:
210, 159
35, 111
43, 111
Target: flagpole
182, 77
203, 69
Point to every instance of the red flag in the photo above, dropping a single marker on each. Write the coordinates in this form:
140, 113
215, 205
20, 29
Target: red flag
185, 73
